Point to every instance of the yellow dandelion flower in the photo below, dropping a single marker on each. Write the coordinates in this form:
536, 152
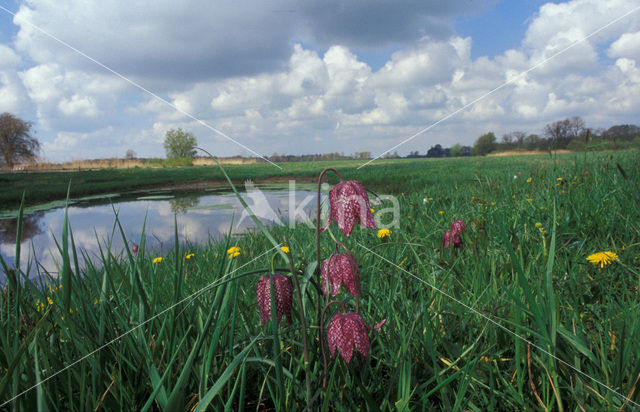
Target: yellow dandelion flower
373, 210
285, 249
493, 203
49, 300
157, 260
602, 258
529, 180
430, 199
441, 212
383, 233
190, 255
233, 252
559, 179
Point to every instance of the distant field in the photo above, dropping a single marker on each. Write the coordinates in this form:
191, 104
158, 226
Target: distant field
389, 175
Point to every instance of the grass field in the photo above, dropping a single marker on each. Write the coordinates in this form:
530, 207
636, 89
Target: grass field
515, 319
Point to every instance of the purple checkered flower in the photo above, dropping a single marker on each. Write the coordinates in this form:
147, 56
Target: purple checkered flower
446, 239
452, 237
350, 203
283, 295
346, 331
340, 269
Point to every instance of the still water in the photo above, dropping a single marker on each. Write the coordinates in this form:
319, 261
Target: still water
200, 217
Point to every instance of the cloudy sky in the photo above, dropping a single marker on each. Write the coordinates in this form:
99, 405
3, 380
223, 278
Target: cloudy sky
311, 77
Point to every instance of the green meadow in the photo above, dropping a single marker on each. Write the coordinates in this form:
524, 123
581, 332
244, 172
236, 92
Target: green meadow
515, 319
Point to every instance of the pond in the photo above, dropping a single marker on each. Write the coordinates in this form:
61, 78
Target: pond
201, 217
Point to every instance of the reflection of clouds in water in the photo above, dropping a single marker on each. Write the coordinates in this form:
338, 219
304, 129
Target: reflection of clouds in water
9, 250
94, 224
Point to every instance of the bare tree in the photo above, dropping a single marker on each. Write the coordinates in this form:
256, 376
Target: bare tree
561, 132
16, 142
518, 137
575, 127
507, 139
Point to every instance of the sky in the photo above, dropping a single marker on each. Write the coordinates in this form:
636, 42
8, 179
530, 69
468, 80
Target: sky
256, 78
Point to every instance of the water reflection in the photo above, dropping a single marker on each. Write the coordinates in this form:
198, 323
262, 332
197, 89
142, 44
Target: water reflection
182, 204
199, 218
30, 228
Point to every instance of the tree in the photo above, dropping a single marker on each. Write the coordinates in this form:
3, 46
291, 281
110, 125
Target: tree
16, 142
180, 144
435, 151
485, 144
621, 132
561, 132
456, 150
532, 142
518, 137
130, 154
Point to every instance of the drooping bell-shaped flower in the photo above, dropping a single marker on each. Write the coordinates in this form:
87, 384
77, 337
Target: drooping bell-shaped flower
452, 237
458, 226
340, 269
282, 293
446, 239
346, 331
350, 203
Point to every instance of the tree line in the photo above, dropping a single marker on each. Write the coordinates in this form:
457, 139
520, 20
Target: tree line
568, 134
18, 145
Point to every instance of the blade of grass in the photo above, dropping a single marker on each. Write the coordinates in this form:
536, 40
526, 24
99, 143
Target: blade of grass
66, 264
224, 377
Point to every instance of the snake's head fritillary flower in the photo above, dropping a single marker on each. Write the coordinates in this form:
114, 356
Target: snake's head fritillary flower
346, 331
349, 204
282, 293
456, 230
340, 269
446, 240
458, 226
134, 248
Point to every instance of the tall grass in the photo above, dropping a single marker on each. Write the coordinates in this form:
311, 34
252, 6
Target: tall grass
124, 332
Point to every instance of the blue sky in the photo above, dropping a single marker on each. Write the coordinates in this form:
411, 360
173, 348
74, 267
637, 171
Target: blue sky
294, 77
500, 27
